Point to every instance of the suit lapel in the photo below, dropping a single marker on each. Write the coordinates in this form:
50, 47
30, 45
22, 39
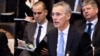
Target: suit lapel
33, 32
96, 30
69, 40
56, 40
54, 43
49, 26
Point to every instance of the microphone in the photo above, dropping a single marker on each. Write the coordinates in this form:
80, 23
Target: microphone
68, 53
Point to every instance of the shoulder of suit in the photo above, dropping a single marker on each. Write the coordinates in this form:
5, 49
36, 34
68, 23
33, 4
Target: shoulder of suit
79, 21
53, 30
75, 29
50, 23
28, 24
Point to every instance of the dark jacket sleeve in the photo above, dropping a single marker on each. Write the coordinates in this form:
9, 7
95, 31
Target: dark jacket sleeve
85, 45
4, 49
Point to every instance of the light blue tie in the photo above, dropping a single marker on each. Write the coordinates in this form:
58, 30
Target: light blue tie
60, 50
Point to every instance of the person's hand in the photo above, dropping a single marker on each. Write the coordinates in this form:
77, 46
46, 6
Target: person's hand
44, 52
2, 30
8, 34
29, 19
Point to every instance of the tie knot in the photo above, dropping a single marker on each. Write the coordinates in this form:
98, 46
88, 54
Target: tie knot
61, 34
40, 26
89, 24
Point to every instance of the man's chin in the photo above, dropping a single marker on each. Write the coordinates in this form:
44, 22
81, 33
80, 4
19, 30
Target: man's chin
87, 17
56, 26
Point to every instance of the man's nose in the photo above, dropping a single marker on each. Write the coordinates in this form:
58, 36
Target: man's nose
85, 11
54, 17
36, 15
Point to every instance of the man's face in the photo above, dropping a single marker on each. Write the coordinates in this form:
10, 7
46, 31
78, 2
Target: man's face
89, 12
59, 16
39, 13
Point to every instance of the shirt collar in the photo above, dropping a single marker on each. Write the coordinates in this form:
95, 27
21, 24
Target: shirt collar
94, 22
65, 31
44, 24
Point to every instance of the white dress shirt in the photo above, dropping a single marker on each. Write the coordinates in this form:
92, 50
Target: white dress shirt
43, 32
65, 31
94, 22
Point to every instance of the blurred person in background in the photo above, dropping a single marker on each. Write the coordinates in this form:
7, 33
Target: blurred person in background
91, 22
4, 49
31, 30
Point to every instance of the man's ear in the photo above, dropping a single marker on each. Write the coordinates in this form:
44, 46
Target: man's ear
68, 16
46, 12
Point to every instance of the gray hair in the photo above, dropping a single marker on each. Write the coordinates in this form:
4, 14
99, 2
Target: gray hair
65, 5
91, 2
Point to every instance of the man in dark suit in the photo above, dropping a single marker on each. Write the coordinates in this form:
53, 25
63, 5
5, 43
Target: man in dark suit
66, 40
31, 29
90, 13
4, 49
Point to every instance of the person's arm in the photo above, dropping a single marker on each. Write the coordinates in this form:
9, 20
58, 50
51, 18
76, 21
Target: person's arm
4, 49
8, 34
85, 45
29, 19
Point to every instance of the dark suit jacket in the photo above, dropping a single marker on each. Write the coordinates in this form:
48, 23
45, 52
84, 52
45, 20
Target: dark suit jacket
29, 37
22, 9
78, 44
4, 50
96, 35
30, 31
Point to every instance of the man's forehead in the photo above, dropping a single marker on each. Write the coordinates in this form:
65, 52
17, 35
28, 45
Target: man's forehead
58, 8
